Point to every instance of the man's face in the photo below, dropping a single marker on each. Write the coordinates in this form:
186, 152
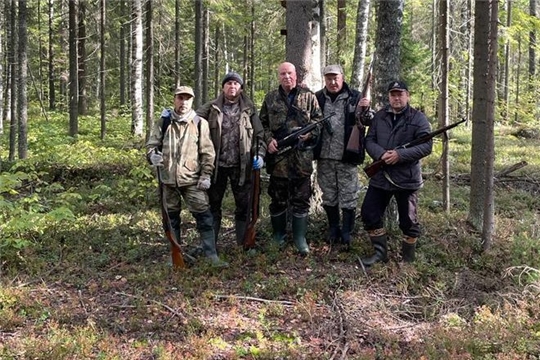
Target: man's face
183, 103
287, 76
333, 83
398, 99
232, 89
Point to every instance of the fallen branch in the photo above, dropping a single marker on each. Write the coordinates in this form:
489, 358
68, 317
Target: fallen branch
510, 169
250, 298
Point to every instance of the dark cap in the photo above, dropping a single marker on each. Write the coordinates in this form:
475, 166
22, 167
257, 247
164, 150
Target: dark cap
232, 76
397, 86
184, 90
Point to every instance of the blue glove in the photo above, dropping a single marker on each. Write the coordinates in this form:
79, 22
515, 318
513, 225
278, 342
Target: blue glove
166, 113
258, 162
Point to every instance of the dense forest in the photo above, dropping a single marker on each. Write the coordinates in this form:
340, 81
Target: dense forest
83, 265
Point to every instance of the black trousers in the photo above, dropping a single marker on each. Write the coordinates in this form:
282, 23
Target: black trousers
376, 201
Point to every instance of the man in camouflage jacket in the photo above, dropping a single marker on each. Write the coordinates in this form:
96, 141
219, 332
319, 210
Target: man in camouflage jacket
181, 149
237, 135
284, 109
337, 167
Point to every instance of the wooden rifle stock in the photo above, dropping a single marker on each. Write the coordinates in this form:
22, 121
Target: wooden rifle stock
249, 235
358, 131
176, 251
376, 166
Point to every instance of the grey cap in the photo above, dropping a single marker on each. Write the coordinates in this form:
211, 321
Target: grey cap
333, 69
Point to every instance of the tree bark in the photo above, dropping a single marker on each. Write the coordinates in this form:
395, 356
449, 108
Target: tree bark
123, 34
83, 105
199, 41
102, 67
52, 94
149, 68
12, 51
73, 73
22, 103
444, 39
136, 68
341, 30
360, 48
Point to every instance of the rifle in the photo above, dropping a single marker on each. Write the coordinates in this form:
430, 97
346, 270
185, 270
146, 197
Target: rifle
176, 251
249, 235
376, 166
292, 140
355, 140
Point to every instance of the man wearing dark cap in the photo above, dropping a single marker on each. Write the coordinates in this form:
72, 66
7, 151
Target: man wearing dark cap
237, 135
181, 150
401, 176
337, 166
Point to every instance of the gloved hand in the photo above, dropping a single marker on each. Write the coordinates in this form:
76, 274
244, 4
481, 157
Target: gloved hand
166, 113
156, 158
258, 162
204, 183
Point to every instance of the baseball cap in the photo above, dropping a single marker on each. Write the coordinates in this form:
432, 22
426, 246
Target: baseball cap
332, 69
184, 90
397, 86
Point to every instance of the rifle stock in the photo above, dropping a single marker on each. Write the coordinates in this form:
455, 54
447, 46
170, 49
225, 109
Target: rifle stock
377, 165
249, 235
176, 251
357, 134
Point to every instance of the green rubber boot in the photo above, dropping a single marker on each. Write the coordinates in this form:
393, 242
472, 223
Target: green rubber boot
299, 227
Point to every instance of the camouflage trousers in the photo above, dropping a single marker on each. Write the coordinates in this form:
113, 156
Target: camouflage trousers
339, 183
285, 192
195, 200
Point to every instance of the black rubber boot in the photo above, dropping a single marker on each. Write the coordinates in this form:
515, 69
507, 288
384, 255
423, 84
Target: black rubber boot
208, 241
240, 231
216, 226
334, 233
408, 249
379, 244
279, 228
349, 216
299, 227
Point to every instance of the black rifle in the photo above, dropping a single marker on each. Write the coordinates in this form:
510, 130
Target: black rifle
376, 166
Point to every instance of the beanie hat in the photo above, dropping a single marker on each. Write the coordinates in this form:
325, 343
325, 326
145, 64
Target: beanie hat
233, 76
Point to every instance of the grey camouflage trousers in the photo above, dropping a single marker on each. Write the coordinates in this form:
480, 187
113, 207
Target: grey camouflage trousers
339, 183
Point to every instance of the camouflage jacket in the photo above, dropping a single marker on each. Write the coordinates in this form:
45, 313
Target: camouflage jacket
188, 152
279, 115
251, 132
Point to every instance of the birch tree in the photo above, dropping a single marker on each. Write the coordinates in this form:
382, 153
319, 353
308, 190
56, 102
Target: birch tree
136, 68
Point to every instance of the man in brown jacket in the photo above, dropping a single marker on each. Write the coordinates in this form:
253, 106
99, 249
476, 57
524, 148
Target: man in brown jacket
181, 147
237, 135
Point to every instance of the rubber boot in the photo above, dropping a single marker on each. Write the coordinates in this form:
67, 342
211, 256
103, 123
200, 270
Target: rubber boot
408, 249
349, 216
299, 227
378, 239
208, 240
279, 228
240, 231
334, 233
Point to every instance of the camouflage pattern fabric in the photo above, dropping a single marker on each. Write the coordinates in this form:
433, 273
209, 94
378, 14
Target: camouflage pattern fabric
339, 183
230, 136
285, 192
333, 145
195, 200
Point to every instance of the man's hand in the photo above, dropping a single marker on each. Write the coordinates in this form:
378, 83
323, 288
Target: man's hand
272, 146
156, 158
390, 157
258, 162
204, 183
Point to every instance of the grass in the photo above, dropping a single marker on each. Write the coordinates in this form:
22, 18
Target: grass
85, 272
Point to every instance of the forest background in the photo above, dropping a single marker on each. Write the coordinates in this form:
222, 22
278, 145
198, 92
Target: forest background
84, 269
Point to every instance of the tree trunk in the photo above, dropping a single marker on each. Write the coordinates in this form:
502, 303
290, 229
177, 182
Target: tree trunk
12, 51
532, 47
22, 103
506, 69
387, 58
136, 68
52, 94
483, 113
303, 41
341, 30
360, 48
199, 41
2, 22
73, 74
322, 15
102, 69
83, 105
205, 62
149, 68
123, 34
251, 77
444, 39
177, 79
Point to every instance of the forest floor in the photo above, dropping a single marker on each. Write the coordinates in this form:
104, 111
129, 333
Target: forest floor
100, 285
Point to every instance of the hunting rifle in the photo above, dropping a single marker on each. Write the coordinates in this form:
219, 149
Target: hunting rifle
376, 166
253, 214
176, 251
358, 131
